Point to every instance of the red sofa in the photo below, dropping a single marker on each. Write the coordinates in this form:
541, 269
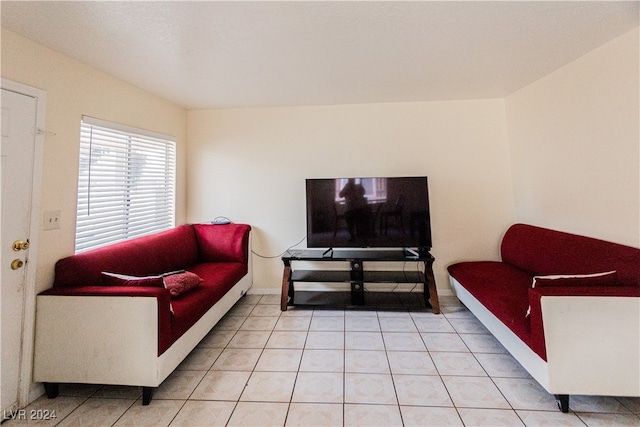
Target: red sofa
577, 330
91, 328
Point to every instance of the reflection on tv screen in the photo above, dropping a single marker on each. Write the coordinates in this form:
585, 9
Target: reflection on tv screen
368, 212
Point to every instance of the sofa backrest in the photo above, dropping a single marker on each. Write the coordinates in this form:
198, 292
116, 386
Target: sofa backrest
541, 251
223, 243
158, 253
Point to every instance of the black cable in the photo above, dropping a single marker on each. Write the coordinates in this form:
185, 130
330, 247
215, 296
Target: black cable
280, 254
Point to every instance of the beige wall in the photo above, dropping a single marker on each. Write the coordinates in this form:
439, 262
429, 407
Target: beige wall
575, 145
73, 90
572, 144
250, 165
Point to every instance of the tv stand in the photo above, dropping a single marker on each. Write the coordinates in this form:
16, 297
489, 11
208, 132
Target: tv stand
356, 276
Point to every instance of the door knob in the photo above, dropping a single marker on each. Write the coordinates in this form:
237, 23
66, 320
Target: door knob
16, 264
19, 245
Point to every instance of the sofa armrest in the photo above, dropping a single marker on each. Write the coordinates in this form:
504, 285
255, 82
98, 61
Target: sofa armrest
226, 243
161, 295
141, 291
591, 336
96, 340
535, 312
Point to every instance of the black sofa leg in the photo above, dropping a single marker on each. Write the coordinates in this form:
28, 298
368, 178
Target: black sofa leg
563, 402
147, 394
52, 390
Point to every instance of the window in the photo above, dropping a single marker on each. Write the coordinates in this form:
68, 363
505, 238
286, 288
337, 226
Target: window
126, 184
375, 189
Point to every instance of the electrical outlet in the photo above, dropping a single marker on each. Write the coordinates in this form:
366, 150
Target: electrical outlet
51, 220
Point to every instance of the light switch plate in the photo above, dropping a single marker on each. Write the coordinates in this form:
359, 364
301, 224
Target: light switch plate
51, 220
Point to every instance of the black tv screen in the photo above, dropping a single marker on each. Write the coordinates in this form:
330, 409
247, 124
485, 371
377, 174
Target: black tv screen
368, 212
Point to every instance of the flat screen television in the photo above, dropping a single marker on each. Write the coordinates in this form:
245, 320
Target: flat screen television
381, 212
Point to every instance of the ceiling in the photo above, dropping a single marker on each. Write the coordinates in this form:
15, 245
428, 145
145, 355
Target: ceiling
235, 54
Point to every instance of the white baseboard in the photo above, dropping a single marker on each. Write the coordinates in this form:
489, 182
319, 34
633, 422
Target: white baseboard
35, 392
263, 291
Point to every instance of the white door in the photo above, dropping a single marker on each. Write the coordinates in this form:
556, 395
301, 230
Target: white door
19, 131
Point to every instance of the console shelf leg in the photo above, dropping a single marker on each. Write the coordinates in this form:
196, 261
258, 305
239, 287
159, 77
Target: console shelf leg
430, 290
286, 287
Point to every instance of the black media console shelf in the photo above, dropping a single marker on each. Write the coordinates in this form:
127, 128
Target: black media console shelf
356, 275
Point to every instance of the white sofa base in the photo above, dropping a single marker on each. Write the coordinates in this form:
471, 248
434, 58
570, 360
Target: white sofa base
592, 343
534, 364
113, 339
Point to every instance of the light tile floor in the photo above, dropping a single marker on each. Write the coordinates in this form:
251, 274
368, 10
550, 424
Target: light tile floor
263, 367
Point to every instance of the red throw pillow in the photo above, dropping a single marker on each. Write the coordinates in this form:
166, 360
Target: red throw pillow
115, 279
179, 283
609, 278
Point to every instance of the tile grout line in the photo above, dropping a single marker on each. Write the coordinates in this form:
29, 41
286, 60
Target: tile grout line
455, 407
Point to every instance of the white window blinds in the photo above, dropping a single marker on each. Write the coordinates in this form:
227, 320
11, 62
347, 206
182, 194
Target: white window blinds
126, 183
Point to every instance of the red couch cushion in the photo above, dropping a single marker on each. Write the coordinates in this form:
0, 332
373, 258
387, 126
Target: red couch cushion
501, 288
217, 278
155, 254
